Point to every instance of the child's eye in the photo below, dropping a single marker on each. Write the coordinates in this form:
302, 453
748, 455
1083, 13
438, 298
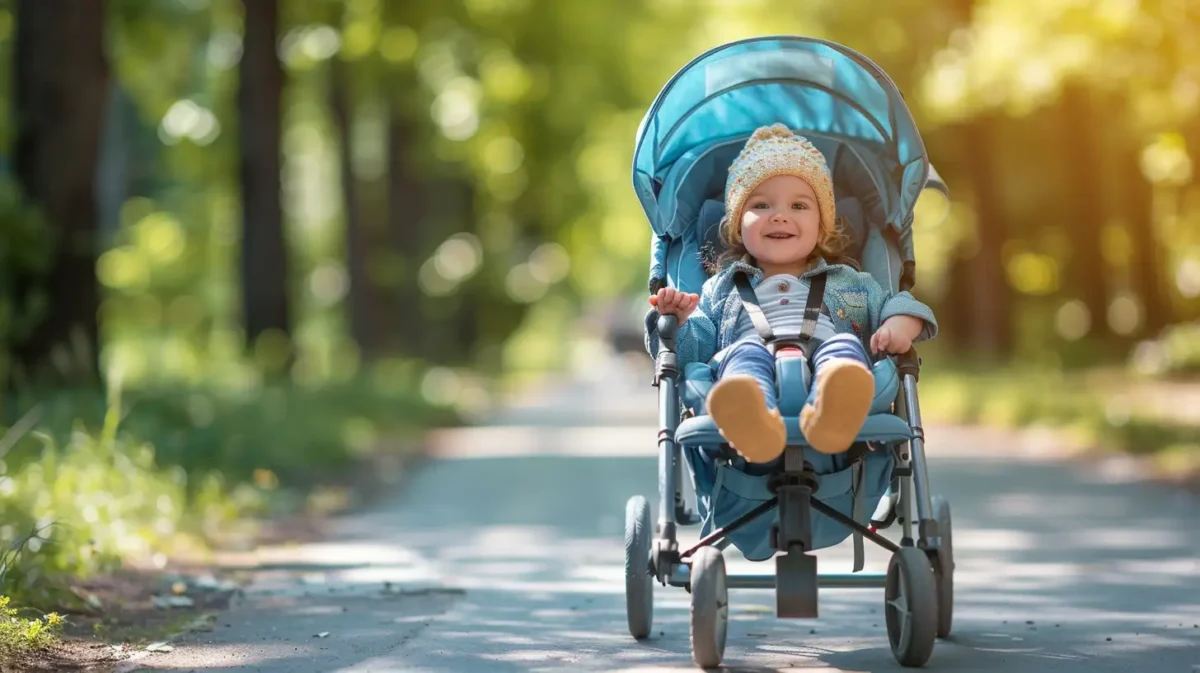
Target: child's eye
800, 205
761, 204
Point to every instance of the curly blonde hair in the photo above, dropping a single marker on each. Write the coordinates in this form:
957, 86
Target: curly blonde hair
831, 244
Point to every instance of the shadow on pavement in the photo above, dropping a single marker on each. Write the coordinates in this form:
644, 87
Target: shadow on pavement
1057, 570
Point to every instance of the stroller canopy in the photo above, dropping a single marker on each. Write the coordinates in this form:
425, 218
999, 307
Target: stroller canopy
832, 94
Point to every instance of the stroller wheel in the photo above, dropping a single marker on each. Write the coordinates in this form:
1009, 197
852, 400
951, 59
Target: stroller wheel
943, 568
639, 583
910, 604
710, 607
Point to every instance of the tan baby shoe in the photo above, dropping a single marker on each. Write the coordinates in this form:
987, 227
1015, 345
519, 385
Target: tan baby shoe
845, 389
736, 404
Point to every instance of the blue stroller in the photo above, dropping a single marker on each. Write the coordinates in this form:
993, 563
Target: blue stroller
854, 114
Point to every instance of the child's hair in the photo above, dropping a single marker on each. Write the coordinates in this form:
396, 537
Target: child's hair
831, 245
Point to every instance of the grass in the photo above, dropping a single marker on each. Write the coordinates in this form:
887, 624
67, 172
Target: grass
91, 484
1109, 410
22, 636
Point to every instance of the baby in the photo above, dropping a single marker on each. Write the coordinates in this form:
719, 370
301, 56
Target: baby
779, 228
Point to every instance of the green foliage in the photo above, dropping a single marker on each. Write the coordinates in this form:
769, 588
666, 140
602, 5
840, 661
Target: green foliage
26, 246
1175, 353
77, 508
1098, 408
99, 482
22, 636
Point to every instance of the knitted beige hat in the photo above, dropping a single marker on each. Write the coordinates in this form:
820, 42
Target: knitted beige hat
775, 150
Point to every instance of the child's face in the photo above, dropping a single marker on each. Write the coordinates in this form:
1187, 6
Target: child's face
781, 221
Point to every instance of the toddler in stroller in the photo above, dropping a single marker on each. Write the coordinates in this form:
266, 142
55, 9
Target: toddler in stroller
779, 228
772, 170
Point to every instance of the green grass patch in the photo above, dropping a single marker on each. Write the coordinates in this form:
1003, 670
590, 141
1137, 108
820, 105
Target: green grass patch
1097, 406
22, 636
90, 483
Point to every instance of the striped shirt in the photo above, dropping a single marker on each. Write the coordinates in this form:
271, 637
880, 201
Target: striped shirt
782, 298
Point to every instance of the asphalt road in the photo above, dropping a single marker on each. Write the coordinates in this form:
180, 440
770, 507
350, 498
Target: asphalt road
504, 553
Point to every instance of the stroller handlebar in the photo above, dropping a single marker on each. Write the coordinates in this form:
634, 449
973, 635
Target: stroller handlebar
668, 327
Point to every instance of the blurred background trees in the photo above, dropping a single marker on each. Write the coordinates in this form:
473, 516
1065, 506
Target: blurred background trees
331, 186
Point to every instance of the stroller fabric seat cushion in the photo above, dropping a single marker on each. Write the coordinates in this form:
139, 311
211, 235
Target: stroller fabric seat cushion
698, 380
699, 377
885, 427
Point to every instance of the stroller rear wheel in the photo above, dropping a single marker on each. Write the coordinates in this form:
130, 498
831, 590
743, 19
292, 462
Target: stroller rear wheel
944, 567
910, 604
639, 583
710, 607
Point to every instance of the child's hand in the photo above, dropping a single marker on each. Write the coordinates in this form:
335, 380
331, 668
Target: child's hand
671, 301
896, 334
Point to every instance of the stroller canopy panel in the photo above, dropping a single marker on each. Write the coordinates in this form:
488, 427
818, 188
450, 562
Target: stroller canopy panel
812, 86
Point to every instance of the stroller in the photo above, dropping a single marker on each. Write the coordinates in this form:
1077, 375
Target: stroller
851, 110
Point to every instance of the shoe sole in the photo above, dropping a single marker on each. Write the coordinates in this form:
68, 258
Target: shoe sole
740, 412
844, 395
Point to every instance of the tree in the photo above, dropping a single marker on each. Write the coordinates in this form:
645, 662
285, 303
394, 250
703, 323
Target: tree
264, 253
61, 91
405, 209
1086, 267
368, 310
979, 290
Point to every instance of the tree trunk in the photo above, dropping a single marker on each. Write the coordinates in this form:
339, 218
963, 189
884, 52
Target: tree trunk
979, 292
61, 92
405, 210
363, 298
989, 296
264, 252
1086, 268
954, 314
1146, 274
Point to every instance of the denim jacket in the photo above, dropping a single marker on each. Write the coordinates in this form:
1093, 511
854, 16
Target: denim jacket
856, 303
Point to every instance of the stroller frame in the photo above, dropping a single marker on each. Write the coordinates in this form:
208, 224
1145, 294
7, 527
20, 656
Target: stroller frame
796, 580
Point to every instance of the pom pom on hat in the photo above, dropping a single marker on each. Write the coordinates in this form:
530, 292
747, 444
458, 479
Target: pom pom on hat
772, 131
775, 150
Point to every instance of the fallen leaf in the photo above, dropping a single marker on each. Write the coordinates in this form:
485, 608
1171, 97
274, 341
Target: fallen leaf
159, 647
173, 602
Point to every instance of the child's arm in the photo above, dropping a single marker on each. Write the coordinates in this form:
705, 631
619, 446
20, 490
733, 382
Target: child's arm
897, 320
696, 340
897, 334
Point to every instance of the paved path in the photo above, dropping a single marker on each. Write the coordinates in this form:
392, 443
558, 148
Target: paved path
504, 554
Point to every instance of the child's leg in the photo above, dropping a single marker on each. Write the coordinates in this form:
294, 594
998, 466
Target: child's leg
843, 387
743, 403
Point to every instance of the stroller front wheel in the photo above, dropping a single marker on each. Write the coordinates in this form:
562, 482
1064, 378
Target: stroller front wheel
639, 583
710, 607
944, 568
910, 604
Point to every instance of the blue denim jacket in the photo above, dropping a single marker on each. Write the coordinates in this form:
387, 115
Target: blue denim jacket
856, 303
